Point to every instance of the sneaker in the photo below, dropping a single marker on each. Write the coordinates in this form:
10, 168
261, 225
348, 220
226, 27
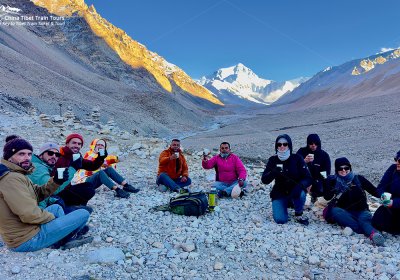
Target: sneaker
130, 188
121, 193
302, 220
76, 242
377, 238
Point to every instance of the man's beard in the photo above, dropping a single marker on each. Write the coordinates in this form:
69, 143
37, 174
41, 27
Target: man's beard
25, 167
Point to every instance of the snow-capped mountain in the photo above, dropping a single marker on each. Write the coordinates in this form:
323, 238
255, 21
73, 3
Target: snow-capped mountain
366, 77
240, 85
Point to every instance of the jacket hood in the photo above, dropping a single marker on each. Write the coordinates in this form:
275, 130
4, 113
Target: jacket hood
14, 168
314, 138
94, 142
288, 139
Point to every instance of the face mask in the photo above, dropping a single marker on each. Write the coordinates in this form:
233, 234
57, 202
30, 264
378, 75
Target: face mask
224, 155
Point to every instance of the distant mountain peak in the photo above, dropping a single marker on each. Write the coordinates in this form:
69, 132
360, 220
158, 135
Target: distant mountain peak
238, 84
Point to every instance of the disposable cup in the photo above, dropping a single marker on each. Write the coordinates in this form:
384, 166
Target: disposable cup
279, 165
323, 174
60, 172
177, 154
75, 156
101, 152
386, 196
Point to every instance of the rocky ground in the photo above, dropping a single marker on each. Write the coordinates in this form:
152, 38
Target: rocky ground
239, 241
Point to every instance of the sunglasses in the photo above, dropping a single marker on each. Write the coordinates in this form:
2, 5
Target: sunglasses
282, 144
50, 153
343, 168
397, 160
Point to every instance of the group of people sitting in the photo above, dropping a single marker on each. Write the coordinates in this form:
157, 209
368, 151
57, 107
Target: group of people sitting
43, 197
309, 171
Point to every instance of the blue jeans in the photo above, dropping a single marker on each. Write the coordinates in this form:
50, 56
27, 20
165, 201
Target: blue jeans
173, 185
106, 177
358, 221
227, 187
280, 206
56, 229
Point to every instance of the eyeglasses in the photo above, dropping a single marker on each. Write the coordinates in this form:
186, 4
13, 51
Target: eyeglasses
397, 160
282, 144
341, 168
51, 153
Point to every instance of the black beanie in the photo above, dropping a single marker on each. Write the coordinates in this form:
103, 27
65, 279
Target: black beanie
397, 156
15, 145
11, 137
340, 162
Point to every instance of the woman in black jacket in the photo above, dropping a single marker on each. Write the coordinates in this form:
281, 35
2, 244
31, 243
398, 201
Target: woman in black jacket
387, 217
292, 179
348, 206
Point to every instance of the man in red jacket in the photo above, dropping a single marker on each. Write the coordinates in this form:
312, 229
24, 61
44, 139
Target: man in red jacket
173, 171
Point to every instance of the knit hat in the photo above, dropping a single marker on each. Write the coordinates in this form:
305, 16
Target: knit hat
101, 141
73, 135
397, 156
11, 137
342, 161
15, 145
48, 146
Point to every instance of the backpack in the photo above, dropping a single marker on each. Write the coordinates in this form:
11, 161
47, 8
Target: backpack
188, 204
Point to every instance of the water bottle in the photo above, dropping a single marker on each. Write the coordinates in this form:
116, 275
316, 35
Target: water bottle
212, 199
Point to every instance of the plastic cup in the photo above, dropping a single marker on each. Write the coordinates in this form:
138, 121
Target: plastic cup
386, 197
60, 172
323, 174
177, 154
101, 152
206, 152
280, 166
311, 156
75, 156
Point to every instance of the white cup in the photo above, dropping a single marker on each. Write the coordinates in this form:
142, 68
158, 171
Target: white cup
323, 173
206, 152
386, 196
60, 172
75, 156
177, 154
311, 156
280, 166
101, 152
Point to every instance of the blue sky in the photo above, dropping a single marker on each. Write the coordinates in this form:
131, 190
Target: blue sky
278, 40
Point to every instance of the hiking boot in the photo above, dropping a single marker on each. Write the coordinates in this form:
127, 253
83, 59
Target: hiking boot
69, 209
121, 193
83, 230
130, 188
221, 194
377, 238
76, 242
303, 221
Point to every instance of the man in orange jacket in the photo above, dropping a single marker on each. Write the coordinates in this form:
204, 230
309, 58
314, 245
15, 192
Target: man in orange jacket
173, 171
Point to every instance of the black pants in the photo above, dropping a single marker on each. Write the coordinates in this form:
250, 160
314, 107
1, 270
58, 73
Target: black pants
78, 194
387, 219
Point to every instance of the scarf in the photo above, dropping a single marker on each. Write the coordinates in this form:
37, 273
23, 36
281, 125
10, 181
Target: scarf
283, 155
343, 183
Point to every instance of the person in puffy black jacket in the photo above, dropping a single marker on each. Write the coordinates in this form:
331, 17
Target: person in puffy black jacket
292, 178
318, 162
348, 206
387, 217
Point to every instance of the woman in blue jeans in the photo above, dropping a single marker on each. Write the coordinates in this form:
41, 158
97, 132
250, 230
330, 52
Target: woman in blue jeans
292, 179
348, 206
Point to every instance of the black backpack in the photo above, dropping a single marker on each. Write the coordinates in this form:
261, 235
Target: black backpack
188, 204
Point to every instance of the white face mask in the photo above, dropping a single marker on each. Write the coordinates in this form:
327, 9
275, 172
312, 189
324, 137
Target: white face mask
224, 155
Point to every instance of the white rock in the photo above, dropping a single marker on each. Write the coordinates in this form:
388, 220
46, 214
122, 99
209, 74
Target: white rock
105, 255
188, 247
218, 265
15, 270
313, 259
347, 231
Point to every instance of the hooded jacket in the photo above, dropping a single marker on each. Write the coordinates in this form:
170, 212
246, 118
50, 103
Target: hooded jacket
228, 169
390, 182
321, 162
292, 179
165, 165
110, 161
20, 216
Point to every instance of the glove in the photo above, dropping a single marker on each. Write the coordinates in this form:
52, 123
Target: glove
104, 156
278, 172
77, 164
63, 179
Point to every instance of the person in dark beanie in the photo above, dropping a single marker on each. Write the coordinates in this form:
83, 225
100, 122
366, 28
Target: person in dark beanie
387, 216
292, 179
348, 201
79, 194
23, 225
318, 163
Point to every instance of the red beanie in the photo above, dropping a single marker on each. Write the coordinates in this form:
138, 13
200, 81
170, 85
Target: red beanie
73, 135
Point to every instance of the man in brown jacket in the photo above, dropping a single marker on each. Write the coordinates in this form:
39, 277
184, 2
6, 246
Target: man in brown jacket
23, 225
173, 171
